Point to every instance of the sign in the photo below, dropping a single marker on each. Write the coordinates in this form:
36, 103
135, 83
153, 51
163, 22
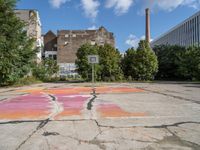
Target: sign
93, 59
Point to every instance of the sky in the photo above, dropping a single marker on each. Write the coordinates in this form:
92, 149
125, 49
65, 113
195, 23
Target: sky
125, 18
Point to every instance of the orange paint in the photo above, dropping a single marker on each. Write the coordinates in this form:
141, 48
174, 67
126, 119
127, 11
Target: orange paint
112, 110
69, 112
85, 90
37, 104
23, 115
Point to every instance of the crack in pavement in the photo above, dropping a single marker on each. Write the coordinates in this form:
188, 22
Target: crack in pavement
172, 125
50, 133
100, 144
43, 122
40, 126
20, 121
173, 96
89, 104
159, 126
47, 142
176, 140
53, 98
57, 107
99, 125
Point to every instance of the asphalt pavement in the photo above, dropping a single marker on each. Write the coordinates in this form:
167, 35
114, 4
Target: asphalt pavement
113, 116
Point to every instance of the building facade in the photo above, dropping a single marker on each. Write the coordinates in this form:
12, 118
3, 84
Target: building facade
33, 28
185, 34
64, 47
50, 45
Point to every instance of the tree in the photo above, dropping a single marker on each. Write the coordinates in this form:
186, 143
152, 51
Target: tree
108, 68
127, 63
170, 59
16, 49
141, 64
110, 63
84, 68
189, 65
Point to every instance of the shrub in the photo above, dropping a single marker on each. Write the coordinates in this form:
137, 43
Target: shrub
45, 70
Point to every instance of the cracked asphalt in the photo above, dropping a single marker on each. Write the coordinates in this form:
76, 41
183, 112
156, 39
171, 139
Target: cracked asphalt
113, 116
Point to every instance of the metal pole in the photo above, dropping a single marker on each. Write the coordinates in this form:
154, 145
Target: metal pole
93, 75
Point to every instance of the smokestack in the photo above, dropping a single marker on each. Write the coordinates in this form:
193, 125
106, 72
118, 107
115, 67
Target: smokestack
148, 25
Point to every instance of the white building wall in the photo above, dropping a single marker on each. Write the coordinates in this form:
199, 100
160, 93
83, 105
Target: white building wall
184, 34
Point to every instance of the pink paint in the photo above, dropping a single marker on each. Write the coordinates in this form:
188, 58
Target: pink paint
33, 106
72, 104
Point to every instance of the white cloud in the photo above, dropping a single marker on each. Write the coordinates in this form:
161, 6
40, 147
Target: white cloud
57, 3
90, 8
134, 40
120, 6
92, 27
169, 5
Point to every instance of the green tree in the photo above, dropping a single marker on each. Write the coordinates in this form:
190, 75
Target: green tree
108, 68
16, 49
189, 65
84, 68
127, 63
110, 60
45, 70
141, 64
170, 59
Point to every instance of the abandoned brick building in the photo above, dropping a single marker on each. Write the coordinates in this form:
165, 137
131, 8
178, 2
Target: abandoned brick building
63, 46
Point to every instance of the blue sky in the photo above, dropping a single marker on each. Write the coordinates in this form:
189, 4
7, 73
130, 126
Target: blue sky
125, 18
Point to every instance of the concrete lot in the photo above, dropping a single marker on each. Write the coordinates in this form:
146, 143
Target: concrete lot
121, 116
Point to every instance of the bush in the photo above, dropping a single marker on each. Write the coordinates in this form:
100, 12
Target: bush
27, 81
46, 70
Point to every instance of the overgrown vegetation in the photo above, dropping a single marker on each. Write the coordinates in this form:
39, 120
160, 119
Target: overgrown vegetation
16, 49
46, 70
18, 58
140, 64
178, 63
108, 68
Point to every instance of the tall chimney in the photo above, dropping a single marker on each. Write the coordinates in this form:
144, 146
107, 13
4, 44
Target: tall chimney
147, 25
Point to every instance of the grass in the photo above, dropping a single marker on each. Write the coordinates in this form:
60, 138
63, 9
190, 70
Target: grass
26, 81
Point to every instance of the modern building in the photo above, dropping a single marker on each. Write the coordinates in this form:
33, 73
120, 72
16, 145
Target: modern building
33, 27
64, 46
185, 34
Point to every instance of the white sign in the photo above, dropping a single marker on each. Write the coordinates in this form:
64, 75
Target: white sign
93, 59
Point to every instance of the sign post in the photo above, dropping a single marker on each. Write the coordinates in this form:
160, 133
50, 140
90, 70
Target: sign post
93, 59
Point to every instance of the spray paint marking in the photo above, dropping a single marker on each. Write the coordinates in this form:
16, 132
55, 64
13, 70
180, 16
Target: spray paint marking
112, 110
40, 103
35, 106
72, 104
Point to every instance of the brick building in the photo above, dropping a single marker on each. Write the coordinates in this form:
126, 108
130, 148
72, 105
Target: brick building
63, 48
50, 45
